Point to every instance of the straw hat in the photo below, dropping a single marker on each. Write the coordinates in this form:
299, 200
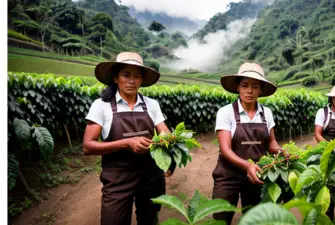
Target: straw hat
331, 93
251, 70
104, 71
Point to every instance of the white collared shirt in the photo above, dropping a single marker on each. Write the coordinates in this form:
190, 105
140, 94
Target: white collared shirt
225, 117
320, 116
101, 112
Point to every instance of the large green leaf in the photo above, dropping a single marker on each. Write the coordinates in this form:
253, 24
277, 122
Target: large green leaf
292, 180
192, 143
13, 170
213, 206
322, 219
173, 203
311, 174
173, 221
311, 217
45, 141
162, 158
177, 156
303, 206
213, 222
180, 127
326, 169
196, 200
22, 130
273, 175
274, 191
268, 214
323, 198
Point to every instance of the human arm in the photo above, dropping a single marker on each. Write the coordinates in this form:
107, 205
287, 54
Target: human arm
91, 145
318, 125
318, 133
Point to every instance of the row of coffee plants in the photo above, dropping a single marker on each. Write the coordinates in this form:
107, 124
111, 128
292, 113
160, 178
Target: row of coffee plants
61, 104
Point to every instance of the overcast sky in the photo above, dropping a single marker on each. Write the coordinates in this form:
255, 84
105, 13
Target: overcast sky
192, 9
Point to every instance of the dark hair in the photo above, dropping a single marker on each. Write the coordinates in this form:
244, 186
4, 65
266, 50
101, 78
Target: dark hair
111, 90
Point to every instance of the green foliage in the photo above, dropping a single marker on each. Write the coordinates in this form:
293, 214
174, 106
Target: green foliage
17, 35
173, 146
293, 110
13, 170
152, 64
156, 26
198, 209
310, 81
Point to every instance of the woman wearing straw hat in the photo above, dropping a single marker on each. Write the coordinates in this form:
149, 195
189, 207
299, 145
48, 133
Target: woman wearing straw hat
324, 130
126, 121
245, 131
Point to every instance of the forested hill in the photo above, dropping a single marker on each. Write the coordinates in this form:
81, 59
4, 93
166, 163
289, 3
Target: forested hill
293, 39
85, 27
244, 9
171, 23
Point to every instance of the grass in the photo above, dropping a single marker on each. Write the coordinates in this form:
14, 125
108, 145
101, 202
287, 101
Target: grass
19, 63
85, 59
17, 35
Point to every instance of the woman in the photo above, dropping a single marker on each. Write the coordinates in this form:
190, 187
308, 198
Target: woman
245, 131
324, 130
126, 121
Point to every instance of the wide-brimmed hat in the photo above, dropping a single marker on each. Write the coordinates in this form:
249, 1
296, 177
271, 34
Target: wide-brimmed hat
331, 93
105, 74
250, 70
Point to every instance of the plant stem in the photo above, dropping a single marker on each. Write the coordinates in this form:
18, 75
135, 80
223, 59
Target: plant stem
68, 136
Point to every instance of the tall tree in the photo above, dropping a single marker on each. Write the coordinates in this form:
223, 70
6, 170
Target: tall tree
156, 26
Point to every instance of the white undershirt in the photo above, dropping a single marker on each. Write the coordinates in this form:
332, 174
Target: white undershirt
101, 112
225, 117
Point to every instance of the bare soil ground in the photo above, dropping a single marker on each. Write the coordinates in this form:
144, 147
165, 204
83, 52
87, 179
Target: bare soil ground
80, 203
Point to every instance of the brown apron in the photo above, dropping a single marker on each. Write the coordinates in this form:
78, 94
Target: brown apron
127, 176
250, 141
329, 132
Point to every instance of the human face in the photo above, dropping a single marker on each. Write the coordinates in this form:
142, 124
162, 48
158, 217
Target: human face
333, 100
129, 80
249, 90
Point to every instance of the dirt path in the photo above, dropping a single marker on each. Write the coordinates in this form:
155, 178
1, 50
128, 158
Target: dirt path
80, 203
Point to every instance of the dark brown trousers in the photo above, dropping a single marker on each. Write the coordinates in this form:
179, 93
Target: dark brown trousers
231, 186
122, 187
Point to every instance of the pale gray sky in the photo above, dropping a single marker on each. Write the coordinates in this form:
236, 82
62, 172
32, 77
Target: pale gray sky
192, 9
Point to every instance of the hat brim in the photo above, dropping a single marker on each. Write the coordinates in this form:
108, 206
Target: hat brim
330, 94
104, 73
229, 83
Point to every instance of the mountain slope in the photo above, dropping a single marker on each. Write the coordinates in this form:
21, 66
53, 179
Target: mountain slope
240, 10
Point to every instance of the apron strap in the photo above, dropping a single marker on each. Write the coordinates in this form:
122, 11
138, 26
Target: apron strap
114, 109
236, 113
144, 106
113, 103
262, 115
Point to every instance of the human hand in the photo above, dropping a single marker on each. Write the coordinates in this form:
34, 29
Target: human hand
285, 153
139, 145
251, 173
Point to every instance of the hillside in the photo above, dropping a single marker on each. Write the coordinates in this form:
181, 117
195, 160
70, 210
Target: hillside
244, 9
171, 23
293, 39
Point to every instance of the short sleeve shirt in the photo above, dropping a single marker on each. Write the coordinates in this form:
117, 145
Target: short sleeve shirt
102, 114
225, 117
320, 116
